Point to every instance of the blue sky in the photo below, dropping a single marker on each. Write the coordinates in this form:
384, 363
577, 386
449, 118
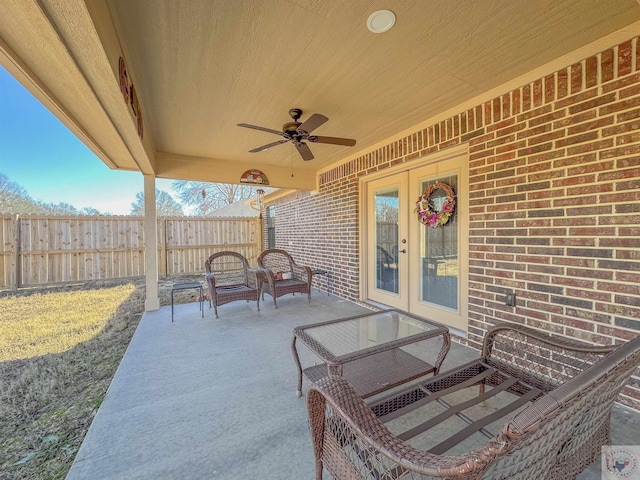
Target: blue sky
40, 154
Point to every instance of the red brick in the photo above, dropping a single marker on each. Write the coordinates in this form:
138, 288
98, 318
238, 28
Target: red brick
590, 147
623, 117
536, 97
625, 51
592, 232
594, 102
549, 88
589, 189
487, 114
550, 117
464, 123
621, 83
479, 120
574, 222
628, 277
546, 127
471, 119
515, 102
591, 167
632, 91
606, 65
591, 71
575, 119
574, 242
585, 137
563, 80
576, 78
506, 105
526, 98
548, 137
580, 97
593, 125
618, 106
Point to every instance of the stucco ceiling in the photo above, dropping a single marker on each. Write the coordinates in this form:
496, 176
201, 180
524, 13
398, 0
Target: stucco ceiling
200, 67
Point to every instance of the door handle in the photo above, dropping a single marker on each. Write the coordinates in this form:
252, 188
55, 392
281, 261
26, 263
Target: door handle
404, 250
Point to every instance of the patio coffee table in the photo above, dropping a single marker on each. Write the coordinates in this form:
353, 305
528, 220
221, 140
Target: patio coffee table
373, 352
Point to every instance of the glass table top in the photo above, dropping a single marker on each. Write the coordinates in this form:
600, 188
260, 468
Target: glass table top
350, 335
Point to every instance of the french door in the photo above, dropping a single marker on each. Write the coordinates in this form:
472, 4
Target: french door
410, 266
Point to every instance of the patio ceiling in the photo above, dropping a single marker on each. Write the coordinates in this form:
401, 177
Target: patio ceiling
202, 66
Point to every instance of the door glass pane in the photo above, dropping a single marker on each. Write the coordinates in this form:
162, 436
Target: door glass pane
386, 228
439, 253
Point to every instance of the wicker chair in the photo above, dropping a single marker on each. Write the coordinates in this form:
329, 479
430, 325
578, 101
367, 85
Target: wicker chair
281, 275
230, 278
553, 435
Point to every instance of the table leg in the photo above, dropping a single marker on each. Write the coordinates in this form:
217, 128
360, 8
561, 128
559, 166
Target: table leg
298, 364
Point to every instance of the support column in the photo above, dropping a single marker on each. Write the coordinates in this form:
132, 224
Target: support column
152, 301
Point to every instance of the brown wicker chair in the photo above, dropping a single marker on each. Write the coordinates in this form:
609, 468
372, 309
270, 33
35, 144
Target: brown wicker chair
281, 275
230, 278
556, 433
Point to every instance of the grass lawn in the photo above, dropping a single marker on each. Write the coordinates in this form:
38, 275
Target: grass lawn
59, 350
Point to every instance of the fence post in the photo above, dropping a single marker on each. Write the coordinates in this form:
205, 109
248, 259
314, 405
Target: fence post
17, 281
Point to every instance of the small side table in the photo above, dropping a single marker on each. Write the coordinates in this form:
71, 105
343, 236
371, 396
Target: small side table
327, 274
185, 286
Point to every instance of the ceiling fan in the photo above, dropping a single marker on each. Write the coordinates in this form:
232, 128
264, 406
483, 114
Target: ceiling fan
299, 132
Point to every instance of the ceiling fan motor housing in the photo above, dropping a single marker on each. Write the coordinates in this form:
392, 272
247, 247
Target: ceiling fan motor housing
291, 127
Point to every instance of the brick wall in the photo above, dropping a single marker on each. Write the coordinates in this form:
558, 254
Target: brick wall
554, 185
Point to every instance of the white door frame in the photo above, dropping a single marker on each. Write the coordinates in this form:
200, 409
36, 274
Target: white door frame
451, 161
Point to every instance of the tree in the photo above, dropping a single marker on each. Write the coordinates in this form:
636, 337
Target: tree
166, 206
15, 199
207, 197
61, 208
387, 210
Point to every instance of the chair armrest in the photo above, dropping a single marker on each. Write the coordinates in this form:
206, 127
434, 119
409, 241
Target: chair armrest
211, 280
350, 424
538, 357
301, 272
268, 276
253, 279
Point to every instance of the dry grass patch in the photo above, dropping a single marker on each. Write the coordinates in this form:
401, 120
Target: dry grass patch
55, 322
58, 353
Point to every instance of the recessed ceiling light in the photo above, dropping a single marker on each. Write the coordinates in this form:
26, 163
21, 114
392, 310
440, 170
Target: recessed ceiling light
381, 21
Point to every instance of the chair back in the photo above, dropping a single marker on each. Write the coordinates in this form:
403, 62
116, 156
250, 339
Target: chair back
570, 424
229, 268
276, 260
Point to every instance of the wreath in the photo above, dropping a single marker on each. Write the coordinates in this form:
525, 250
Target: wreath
428, 214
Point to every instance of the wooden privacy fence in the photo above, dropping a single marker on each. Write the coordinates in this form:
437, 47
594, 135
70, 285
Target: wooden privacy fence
38, 250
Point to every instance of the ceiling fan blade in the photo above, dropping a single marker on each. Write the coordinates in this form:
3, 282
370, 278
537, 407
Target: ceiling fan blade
269, 145
349, 142
313, 122
264, 129
303, 150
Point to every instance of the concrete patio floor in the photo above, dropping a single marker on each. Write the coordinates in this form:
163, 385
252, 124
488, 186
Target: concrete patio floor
204, 398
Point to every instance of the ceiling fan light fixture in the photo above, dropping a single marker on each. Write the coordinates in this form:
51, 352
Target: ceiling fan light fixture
381, 21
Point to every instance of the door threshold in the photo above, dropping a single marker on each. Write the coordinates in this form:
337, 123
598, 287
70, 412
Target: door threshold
377, 305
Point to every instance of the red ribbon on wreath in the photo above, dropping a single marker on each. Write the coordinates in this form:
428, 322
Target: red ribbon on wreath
427, 213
